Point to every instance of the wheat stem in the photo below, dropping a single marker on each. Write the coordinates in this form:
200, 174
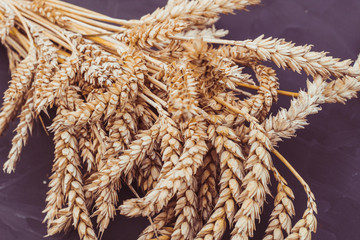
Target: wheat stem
22, 20
46, 24
290, 167
72, 6
19, 48
254, 87
95, 23
148, 217
43, 126
79, 11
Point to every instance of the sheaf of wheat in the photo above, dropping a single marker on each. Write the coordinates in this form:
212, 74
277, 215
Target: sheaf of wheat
162, 102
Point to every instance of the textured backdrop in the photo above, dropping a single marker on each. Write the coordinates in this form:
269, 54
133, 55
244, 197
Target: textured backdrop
326, 153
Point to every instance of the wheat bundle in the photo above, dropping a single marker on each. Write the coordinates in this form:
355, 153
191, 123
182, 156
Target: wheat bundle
162, 102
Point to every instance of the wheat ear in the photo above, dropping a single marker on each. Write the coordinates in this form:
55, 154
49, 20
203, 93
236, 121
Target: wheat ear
280, 218
20, 83
190, 160
23, 131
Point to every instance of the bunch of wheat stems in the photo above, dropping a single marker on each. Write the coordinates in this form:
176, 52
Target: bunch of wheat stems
154, 102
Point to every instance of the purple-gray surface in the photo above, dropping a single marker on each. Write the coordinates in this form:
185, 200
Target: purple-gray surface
326, 153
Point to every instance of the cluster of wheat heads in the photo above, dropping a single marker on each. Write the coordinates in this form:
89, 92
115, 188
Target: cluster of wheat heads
162, 102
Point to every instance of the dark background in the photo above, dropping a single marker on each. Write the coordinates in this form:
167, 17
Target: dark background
326, 153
